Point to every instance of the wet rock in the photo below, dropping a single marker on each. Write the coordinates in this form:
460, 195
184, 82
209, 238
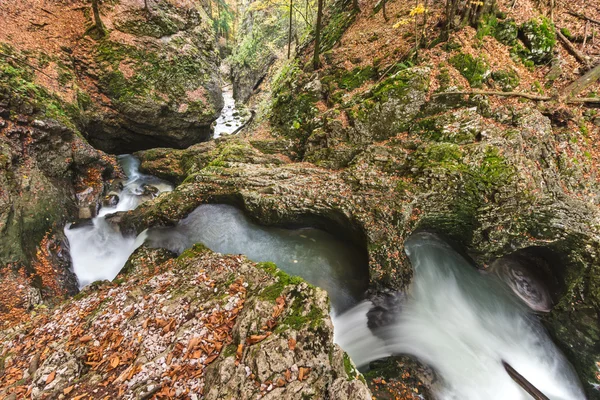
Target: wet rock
85, 213
110, 200
525, 281
149, 190
81, 223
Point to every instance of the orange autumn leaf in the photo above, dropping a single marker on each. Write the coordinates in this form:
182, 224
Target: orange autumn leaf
114, 362
50, 377
238, 353
292, 343
303, 373
68, 390
85, 339
257, 338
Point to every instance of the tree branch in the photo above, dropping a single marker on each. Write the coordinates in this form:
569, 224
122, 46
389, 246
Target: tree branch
576, 53
582, 83
584, 17
580, 100
496, 93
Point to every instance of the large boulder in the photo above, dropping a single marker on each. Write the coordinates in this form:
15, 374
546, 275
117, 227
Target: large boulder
202, 325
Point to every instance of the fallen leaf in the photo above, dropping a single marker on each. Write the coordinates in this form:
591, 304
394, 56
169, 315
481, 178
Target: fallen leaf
114, 362
302, 373
50, 377
238, 353
85, 339
257, 338
292, 343
68, 390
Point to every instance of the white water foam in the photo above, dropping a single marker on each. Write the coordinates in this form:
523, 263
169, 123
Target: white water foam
230, 119
99, 251
463, 324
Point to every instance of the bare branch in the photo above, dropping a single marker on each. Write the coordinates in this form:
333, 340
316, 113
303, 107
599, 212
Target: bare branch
496, 93
576, 53
584, 17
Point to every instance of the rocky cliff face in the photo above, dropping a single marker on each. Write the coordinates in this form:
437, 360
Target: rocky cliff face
151, 80
47, 173
200, 325
156, 75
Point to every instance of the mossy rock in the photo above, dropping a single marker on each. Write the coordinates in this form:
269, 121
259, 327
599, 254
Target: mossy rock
506, 32
539, 38
475, 70
508, 80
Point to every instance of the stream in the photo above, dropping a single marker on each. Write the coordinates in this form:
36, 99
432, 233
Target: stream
232, 116
457, 320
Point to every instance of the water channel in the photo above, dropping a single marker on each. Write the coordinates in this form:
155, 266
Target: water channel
453, 318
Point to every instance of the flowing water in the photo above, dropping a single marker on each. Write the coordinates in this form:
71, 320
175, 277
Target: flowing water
310, 253
98, 250
459, 321
232, 117
463, 324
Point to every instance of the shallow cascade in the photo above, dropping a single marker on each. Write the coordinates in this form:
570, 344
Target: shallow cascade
98, 250
463, 323
232, 117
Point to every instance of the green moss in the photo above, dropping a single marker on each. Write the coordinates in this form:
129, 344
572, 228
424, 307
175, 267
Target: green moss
474, 70
567, 33
508, 80
229, 351
26, 97
341, 16
396, 86
272, 292
351, 371
298, 319
154, 75
293, 111
194, 251
350, 80
539, 38
506, 32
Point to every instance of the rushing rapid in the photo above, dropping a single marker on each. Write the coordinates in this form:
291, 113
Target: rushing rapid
98, 250
232, 117
463, 324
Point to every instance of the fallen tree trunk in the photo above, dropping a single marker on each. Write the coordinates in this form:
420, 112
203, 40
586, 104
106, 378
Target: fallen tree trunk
573, 50
582, 83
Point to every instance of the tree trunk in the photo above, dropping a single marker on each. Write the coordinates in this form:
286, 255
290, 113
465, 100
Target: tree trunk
97, 20
316, 62
290, 30
383, 10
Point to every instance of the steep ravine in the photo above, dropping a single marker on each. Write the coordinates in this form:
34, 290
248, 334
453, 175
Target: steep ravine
367, 149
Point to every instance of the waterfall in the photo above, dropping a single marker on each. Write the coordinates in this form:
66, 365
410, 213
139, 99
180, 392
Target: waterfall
464, 324
98, 250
